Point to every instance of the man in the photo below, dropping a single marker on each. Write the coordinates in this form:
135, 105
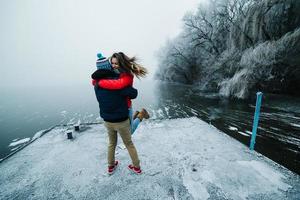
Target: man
114, 111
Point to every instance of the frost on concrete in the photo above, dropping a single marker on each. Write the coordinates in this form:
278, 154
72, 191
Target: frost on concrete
180, 158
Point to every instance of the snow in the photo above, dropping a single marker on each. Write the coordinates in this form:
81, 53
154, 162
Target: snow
180, 158
18, 142
63, 112
242, 133
296, 125
13, 149
264, 171
233, 128
37, 135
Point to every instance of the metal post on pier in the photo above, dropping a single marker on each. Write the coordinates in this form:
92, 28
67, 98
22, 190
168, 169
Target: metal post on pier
256, 118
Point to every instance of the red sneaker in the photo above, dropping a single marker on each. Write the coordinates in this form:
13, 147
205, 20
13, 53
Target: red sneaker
112, 169
134, 169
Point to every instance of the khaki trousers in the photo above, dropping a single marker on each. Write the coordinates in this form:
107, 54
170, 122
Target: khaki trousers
124, 130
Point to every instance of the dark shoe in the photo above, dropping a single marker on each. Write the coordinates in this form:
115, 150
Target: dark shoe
112, 169
143, 114
135, 115
136, 170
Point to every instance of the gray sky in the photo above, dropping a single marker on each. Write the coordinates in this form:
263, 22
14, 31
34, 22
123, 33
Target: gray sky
54, 42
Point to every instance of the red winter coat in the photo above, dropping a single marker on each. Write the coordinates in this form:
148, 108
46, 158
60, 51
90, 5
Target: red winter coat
123, 81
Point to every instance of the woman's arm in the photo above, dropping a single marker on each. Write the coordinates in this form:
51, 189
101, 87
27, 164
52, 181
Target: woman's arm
123, 81
102, 74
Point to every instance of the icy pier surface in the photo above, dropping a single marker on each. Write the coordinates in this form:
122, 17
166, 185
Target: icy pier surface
181, 159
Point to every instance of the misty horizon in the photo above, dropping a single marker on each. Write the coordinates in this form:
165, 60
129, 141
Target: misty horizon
56, 42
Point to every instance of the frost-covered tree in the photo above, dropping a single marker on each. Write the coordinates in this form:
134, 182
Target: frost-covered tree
237, 46
178, 62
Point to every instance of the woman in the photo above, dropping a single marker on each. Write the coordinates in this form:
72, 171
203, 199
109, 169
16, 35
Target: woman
126, 67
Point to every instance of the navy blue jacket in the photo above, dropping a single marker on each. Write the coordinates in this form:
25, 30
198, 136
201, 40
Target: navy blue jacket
113, 103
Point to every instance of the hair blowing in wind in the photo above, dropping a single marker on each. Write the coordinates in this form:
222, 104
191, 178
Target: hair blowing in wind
130, 64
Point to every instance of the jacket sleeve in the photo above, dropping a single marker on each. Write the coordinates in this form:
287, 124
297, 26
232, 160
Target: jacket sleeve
116, 84
129, 92
103, 73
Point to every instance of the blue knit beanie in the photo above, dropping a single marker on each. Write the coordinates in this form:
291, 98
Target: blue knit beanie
103, 62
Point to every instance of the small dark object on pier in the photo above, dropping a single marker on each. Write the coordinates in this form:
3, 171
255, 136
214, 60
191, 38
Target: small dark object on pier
69, 135
76, 127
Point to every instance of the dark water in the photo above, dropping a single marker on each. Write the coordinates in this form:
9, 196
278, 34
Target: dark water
23, 114
25, 111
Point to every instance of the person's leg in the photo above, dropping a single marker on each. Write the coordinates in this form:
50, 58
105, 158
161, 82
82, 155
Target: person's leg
135, 124
112, 142
130, 111
124, 130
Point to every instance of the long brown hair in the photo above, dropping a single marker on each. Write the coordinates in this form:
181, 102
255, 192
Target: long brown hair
130, 65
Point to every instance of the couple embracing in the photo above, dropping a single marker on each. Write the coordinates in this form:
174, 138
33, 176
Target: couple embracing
112, 82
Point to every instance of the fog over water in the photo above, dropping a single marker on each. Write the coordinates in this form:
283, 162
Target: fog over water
55, 42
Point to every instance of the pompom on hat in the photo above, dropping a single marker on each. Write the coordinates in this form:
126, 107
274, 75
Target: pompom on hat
100, 56
103, 62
